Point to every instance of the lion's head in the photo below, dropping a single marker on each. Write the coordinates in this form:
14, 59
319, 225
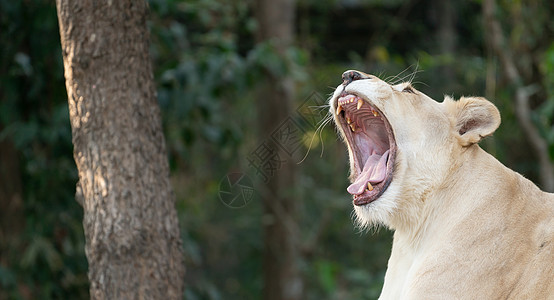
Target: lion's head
402, 144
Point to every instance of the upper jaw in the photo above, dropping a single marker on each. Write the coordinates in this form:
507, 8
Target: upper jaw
362, 89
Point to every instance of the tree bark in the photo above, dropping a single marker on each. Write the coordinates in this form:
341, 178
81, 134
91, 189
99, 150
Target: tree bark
133, 244
496, 41
281, 247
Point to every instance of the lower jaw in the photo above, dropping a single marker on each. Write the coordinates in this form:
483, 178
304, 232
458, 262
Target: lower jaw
369, 197
363, 201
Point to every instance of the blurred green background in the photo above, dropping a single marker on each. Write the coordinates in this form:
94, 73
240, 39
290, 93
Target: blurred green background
207, 68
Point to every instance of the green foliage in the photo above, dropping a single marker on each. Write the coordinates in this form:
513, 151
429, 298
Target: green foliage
326, 272
544, 115
207, 68
47, 259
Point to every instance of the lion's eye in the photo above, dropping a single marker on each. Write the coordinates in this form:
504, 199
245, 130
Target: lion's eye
408, 89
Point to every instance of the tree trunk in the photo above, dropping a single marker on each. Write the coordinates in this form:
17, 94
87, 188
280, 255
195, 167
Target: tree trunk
133, 244
281, 248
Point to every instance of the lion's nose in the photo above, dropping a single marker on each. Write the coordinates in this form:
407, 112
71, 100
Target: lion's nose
351, 75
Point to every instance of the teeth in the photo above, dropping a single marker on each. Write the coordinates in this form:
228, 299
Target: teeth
360, 103
348, 121
353, 127
369, 186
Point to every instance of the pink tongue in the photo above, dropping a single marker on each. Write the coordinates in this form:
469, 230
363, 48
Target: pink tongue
374, 171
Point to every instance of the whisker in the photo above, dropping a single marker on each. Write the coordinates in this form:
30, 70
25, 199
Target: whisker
392, 80
411, 77
329, 119
420, 82
415, 72
320, 107
326, 120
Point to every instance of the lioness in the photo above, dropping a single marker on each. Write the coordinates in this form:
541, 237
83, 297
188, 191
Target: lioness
466, 226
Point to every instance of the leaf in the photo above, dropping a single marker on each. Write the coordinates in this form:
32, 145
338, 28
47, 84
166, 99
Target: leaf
326, 272
7, 277
40, 247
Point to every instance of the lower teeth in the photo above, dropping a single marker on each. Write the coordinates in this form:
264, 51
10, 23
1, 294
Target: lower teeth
369, 187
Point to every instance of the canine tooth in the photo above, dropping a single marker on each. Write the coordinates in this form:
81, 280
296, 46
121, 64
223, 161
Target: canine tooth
360, 103
369, 186
339, 109
348, 121
353, 127
375, 114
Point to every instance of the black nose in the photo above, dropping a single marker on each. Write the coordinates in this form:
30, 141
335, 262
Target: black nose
351, 75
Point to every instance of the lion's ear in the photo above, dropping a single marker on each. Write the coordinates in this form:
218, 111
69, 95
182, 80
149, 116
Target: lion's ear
474, 119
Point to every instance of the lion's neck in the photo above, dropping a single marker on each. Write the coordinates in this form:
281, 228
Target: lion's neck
443, 203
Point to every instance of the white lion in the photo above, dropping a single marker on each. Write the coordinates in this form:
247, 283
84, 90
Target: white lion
466, 226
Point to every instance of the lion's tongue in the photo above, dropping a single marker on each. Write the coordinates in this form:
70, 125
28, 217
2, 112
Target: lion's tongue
374, 171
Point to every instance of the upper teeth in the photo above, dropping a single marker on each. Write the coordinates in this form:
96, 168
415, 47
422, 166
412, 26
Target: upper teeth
351, 120
348, 99
351, 99
339, 109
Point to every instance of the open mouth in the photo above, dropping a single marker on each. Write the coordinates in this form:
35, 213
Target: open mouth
371, 141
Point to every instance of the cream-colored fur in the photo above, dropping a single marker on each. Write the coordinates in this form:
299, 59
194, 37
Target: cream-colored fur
466, 226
